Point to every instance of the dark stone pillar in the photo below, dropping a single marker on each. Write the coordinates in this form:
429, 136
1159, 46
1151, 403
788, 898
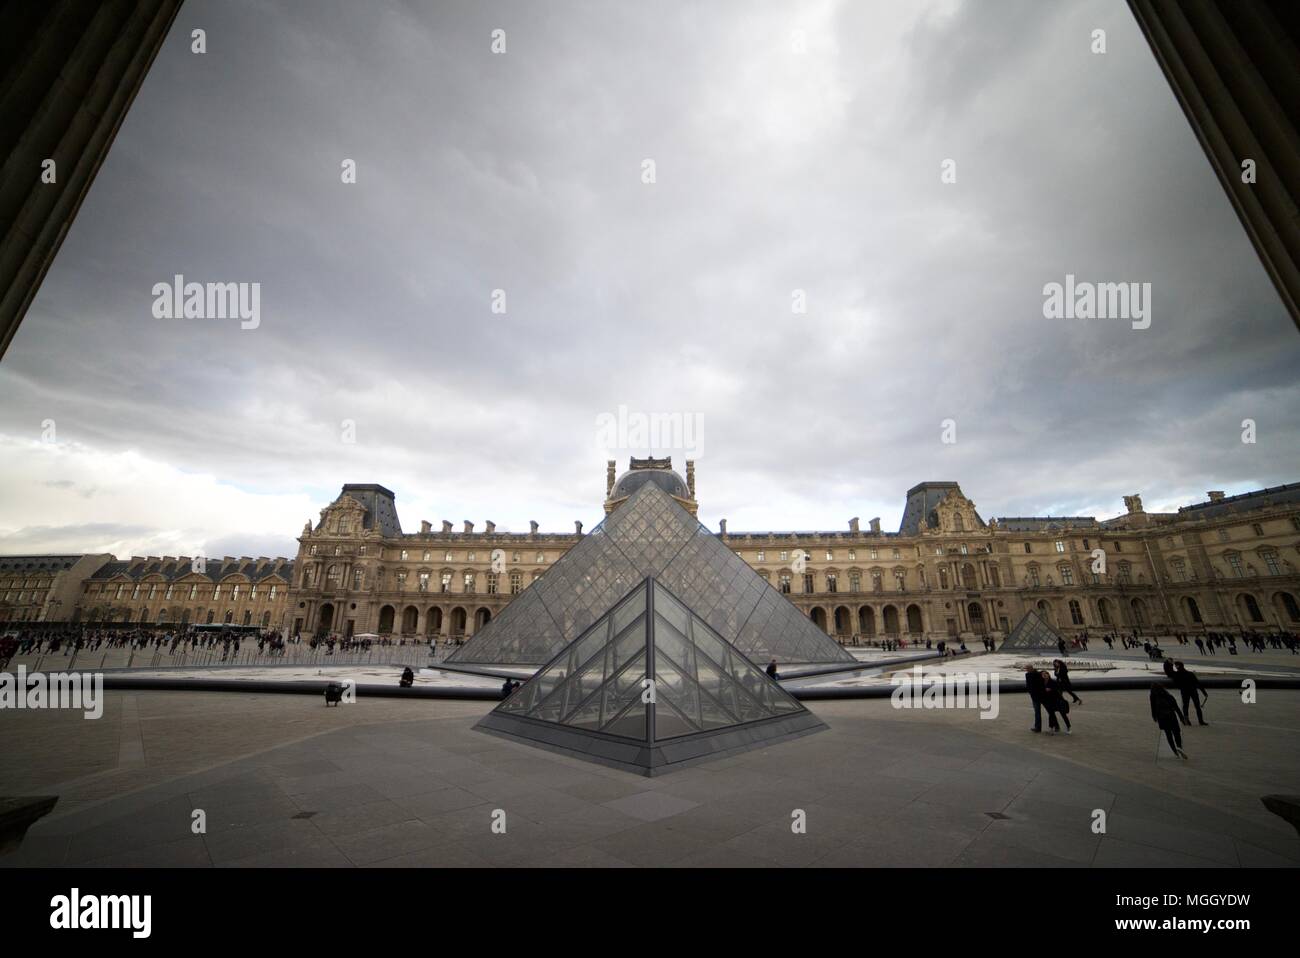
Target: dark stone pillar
1232, 66
69, 71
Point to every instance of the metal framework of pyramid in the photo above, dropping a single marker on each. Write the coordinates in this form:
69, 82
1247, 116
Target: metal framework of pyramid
649, 688
650, 535
1031, 633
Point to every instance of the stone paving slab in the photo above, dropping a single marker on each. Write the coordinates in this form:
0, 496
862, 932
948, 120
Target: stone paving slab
415, 786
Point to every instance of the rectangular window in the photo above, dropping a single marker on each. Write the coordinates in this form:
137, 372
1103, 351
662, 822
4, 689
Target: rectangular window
424, 582
831, 582
855, 582
1067, 575
1259, 529
444, 582
785, 556
808, 582
492, 583
469, 581
853, 555
830, 556
516, 583
404, 555
1033, 574
401, 580
762, 556
785, 583
1060, 546
1234, 560
1270, 560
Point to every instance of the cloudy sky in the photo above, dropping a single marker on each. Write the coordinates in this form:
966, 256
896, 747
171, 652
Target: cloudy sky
796, 147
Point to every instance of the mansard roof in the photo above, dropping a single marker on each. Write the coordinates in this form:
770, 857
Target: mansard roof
1047, 523
172, 568
922, 499
1287, 495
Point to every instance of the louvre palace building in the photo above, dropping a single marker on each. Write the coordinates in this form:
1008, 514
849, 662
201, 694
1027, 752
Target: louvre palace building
1227, 563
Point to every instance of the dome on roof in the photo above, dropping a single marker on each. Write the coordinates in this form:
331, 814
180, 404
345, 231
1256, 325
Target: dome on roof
666, 479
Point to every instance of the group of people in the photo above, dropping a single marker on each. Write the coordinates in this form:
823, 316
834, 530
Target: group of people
1048, 691
1165, 711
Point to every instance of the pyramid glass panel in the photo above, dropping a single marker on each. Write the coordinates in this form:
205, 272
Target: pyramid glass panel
591, 699
1031, 632
651, 536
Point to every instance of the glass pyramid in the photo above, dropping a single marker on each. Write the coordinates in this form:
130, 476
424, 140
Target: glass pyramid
650, 535
1031, 632
648, 687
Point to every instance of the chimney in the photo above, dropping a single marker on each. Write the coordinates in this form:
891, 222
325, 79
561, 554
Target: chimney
853, 525
875, 526
426, 526
577, 527
690, 476
532, 527
609, 477
446, 526
469, 527
489, 527
1216, 495
722, 527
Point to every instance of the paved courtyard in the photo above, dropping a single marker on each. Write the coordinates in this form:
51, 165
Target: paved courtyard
286, 782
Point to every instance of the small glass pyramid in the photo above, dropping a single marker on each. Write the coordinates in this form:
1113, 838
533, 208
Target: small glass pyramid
650, 535
647, 687
1031, 632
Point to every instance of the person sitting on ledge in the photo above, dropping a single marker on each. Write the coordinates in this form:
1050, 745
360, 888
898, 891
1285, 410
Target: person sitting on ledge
408, 678
771, 671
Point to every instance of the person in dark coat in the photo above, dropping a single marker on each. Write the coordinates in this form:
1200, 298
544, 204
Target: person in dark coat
1063, 680
1187, 683
408, 678
771, 671
1164, 712
1037, 691
1054, 702
507, 688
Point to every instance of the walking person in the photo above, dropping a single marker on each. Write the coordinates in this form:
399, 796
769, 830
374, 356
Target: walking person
1187, 683
1063, 680
1034, 683
1055, 703
1164, 712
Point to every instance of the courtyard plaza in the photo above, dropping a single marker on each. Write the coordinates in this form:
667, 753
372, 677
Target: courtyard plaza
285, 781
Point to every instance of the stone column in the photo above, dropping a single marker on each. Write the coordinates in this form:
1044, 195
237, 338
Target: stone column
1232, 66
69, 72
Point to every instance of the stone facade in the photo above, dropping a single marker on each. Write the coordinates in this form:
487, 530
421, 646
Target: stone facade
38, 588
1226, 563
171, 590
